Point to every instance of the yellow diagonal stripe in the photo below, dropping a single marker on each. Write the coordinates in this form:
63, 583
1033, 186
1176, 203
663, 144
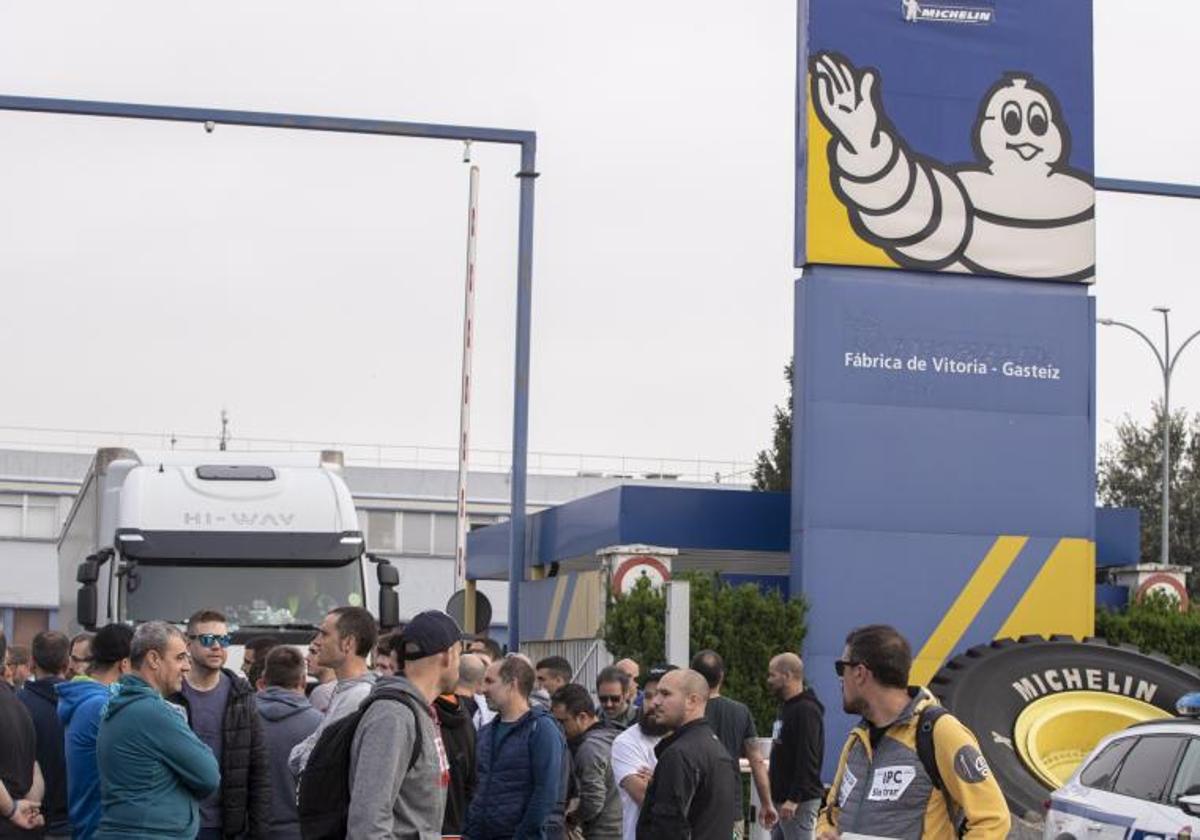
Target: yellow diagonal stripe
1061, 598
966, 606
556, 603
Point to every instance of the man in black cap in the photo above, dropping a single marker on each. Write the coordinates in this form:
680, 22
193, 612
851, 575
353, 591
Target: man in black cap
80, 702
398, 768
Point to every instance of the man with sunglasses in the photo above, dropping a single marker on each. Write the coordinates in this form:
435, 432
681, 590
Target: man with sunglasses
884, 784
223, 713
612, 690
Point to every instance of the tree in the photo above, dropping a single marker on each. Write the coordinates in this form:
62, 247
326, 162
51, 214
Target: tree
1130, 475
773, 467
1154, 624
744, 625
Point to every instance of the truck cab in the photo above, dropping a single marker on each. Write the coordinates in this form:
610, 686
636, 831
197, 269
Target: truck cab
269, 539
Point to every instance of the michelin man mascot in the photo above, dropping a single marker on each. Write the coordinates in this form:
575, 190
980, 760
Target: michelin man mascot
1019, 211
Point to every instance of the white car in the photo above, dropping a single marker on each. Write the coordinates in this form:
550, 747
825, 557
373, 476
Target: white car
1141, 783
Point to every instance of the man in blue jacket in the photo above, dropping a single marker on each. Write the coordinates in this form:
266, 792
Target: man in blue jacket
79, 704
520, 762
153, 769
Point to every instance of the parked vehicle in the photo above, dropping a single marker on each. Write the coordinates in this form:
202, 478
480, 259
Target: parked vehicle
1141, 782
270, 539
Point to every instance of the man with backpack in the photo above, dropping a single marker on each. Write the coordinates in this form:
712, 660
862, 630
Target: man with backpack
398, 767
909, 769
344, 641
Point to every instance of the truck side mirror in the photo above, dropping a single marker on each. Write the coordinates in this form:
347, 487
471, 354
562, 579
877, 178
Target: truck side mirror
389, 601
86, 606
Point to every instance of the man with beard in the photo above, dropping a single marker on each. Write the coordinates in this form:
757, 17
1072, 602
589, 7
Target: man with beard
883, 786
633, 757
694, 792
590, 742
797, 750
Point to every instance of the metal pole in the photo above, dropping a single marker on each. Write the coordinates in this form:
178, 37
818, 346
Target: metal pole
1166, 438
520, 449
464, 408
1166, 363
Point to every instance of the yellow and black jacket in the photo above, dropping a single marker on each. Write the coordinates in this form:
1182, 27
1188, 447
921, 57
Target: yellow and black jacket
886, 792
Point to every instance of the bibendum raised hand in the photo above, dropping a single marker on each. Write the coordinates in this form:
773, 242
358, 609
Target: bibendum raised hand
1018, 210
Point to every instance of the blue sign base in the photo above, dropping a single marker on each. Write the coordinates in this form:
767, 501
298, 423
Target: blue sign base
943, 463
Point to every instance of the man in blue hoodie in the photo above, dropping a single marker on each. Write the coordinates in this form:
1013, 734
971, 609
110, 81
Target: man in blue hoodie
79, 704
288, 719
153, 769
51, 655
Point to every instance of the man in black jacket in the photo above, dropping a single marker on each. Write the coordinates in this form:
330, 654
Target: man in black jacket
50, 659
692, 795
797, 750
223, 713
458, 738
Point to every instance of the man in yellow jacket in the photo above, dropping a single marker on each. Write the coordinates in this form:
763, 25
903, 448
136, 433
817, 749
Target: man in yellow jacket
881, 786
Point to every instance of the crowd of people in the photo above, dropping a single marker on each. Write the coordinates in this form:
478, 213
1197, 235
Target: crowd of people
146, 733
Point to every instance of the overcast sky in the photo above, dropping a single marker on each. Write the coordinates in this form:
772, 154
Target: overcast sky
312, 283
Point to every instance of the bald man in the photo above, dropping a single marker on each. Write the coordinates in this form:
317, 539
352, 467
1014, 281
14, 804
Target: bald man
634, 696
471, 670
797, 750
694, 790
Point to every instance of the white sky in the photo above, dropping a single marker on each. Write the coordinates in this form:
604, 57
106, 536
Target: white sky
312, 283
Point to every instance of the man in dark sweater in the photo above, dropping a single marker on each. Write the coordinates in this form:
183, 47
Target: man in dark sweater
458, 738
288, 718
797, 751
693, 794
51, 655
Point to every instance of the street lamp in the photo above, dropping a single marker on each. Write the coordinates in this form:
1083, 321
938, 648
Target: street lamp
1166, 363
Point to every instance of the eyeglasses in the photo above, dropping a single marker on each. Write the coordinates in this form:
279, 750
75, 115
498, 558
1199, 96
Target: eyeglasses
842, 664
81, 660
610, 699
210, 639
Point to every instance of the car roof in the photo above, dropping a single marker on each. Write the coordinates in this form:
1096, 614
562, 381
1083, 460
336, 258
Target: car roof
1179, 724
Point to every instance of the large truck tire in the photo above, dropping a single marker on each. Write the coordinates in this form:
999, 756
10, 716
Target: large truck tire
1000, 691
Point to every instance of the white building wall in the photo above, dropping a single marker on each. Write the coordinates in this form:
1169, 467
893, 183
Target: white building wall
28, 574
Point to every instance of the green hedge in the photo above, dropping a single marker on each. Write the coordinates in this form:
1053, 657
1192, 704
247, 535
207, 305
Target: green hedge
1155, 624
744, 625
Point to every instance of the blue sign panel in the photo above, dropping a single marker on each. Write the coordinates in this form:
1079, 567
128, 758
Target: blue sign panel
943, 462
946, 136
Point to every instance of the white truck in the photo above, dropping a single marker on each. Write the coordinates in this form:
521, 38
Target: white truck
270, 539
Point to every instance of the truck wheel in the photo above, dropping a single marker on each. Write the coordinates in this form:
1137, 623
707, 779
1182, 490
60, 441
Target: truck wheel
1038, 706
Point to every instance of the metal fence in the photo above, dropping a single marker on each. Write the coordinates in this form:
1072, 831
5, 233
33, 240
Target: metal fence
588, 657
692, 470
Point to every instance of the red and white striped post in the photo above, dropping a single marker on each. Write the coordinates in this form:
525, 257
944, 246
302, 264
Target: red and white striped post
464, 420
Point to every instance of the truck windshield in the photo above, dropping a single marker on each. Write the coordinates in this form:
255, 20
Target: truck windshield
248, 595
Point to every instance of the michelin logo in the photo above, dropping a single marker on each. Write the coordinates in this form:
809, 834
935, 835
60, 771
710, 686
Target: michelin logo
915, 11
1018, 210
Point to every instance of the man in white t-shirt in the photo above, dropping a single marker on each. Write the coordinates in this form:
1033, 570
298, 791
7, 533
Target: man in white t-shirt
633, 757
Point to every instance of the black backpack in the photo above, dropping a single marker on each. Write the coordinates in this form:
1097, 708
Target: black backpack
925, 751
324, 796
